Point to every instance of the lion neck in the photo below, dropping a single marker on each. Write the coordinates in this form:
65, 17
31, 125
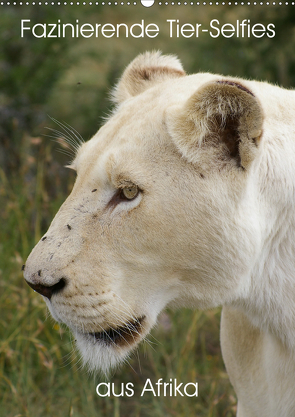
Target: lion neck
270, 302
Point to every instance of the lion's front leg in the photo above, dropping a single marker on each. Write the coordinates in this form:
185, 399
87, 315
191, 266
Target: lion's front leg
242, 350
240, 412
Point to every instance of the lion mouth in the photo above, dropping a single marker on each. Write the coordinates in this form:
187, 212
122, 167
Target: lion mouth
121, 335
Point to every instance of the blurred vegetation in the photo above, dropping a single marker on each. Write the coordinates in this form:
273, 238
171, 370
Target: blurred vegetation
70, 79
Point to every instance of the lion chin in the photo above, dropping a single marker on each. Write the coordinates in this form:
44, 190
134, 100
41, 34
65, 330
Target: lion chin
105, 350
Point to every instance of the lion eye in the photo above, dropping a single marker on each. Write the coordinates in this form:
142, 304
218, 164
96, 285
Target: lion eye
130, 192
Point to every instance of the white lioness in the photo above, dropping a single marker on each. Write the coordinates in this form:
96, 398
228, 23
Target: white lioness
185, 196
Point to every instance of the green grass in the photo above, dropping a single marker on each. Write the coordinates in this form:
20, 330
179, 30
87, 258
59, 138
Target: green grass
40, 372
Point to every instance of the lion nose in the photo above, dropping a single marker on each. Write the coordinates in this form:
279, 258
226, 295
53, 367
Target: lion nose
48, 291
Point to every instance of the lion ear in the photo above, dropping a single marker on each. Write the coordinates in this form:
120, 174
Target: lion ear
222, 118
145, 71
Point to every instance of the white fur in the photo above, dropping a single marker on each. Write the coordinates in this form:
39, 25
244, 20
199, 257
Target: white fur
213, 224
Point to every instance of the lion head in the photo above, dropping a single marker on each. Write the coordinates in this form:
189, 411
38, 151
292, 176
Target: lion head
161, 212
